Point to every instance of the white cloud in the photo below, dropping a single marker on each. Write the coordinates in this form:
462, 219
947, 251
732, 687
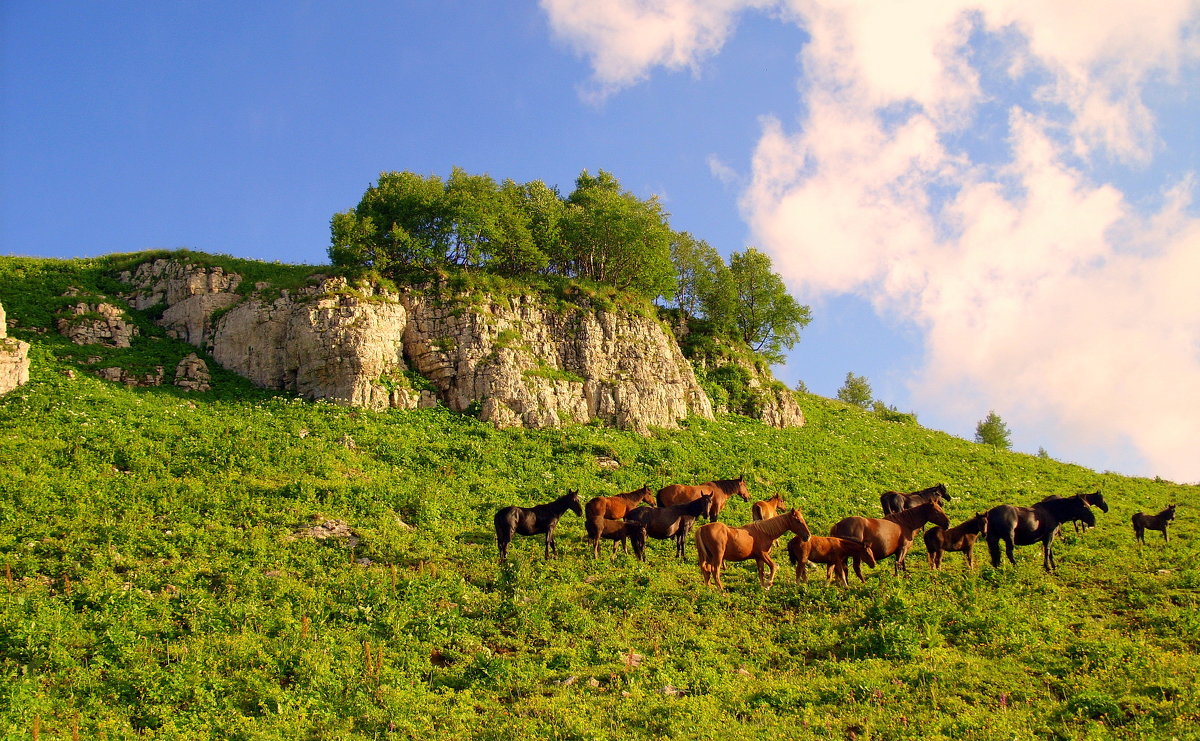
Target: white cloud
1039, 290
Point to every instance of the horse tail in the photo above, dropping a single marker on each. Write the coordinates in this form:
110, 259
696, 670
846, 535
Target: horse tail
702, 552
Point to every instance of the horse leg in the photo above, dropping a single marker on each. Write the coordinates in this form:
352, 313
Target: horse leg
970, 558
839, 571
858, 569
994, 551
771, 564
1165, 538
550, 544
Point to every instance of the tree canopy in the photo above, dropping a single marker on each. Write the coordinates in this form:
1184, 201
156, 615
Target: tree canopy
992, 431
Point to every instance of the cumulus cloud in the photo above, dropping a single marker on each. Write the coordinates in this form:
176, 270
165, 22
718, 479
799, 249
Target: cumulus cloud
1039, 290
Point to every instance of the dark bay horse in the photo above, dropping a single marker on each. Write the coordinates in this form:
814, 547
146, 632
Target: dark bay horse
671, 522
892, 535
897, 501
717, 543
767, 508
1094, 499
1142, 523
542, 518
721, 491
1036, 524
612, 508
624, 532
959, 538
832, 551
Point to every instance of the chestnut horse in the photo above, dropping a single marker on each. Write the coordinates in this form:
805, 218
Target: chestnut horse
612, 508
897, 501
1036, 524
721, 491
671, 522
533, 520
832, 551
717, 543
1094, 499
1142, 523
892, 535
960, 538
767, 508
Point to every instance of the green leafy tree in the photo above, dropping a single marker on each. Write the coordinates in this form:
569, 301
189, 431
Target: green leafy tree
401, 222
767, 318
992, 431
613, 237
855, 391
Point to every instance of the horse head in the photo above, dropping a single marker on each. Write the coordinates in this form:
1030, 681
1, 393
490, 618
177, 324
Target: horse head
573, 502
980, 521
1097, 499
796, 523
940, 489
1169, 513
700, 506
742, 490
647, 495
937, 515
1087, 517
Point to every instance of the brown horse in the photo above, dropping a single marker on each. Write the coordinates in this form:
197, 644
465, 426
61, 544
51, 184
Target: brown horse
960, 538
612, 508
767, 508
717, 543
892, 535
897, 501
832, 551
1142, 523
721, 491
623, 531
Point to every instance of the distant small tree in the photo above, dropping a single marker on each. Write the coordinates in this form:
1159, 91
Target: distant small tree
992, 431
855, 391
1042, 453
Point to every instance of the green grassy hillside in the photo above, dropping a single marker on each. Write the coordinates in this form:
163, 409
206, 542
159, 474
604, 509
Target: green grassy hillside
154, 584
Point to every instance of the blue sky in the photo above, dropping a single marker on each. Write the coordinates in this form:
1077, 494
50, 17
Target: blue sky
988, 206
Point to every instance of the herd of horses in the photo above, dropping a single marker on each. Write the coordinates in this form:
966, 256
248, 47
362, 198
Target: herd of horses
671, 512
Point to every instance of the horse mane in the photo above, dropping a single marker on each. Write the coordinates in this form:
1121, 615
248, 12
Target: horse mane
771, 527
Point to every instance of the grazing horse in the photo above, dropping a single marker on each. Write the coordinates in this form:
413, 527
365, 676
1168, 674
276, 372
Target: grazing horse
624, 531
671, 522
832, 551
717, 543
767, 508
533, 520
721, 491
960, 538
1036, 524
612, 508
1142, 523
892, 535
897, 501
1094, 499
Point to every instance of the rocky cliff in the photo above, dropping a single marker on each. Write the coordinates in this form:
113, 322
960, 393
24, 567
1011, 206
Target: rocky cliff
14, 358
513, 360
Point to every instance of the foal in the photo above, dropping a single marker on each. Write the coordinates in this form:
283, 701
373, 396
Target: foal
961, 538
832, 551
1142, 523
767, 508
623, 531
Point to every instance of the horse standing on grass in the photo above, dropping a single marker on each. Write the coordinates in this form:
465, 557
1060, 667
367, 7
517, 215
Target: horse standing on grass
671, 522
542, 518
717, 543
611, 508
959, 538
1094, 499
892, 535
832, 551
1036, 524
1142, 523
721, 491
625, 532
897, 501
767, 508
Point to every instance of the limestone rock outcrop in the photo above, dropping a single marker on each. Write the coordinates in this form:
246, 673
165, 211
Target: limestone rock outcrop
511, 360
192, 374
14, 358
98, 323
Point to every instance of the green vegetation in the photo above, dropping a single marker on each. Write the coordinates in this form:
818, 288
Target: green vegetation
856, 390
156, 580
992, 430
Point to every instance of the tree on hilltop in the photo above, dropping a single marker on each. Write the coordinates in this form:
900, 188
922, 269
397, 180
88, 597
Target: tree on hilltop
855, 391
992, 431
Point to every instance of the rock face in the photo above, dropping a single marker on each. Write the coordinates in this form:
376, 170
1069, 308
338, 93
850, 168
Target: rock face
192, 374
513, 361
14, 358
95, 324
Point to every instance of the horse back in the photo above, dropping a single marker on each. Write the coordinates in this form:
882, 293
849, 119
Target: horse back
676, 494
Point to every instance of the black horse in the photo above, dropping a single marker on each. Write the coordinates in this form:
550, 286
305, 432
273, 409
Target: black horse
897, 501
1094, 499
674, 521
1036, 524
533, 520
1142, 523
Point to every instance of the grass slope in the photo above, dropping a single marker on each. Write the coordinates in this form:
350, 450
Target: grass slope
153, 586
